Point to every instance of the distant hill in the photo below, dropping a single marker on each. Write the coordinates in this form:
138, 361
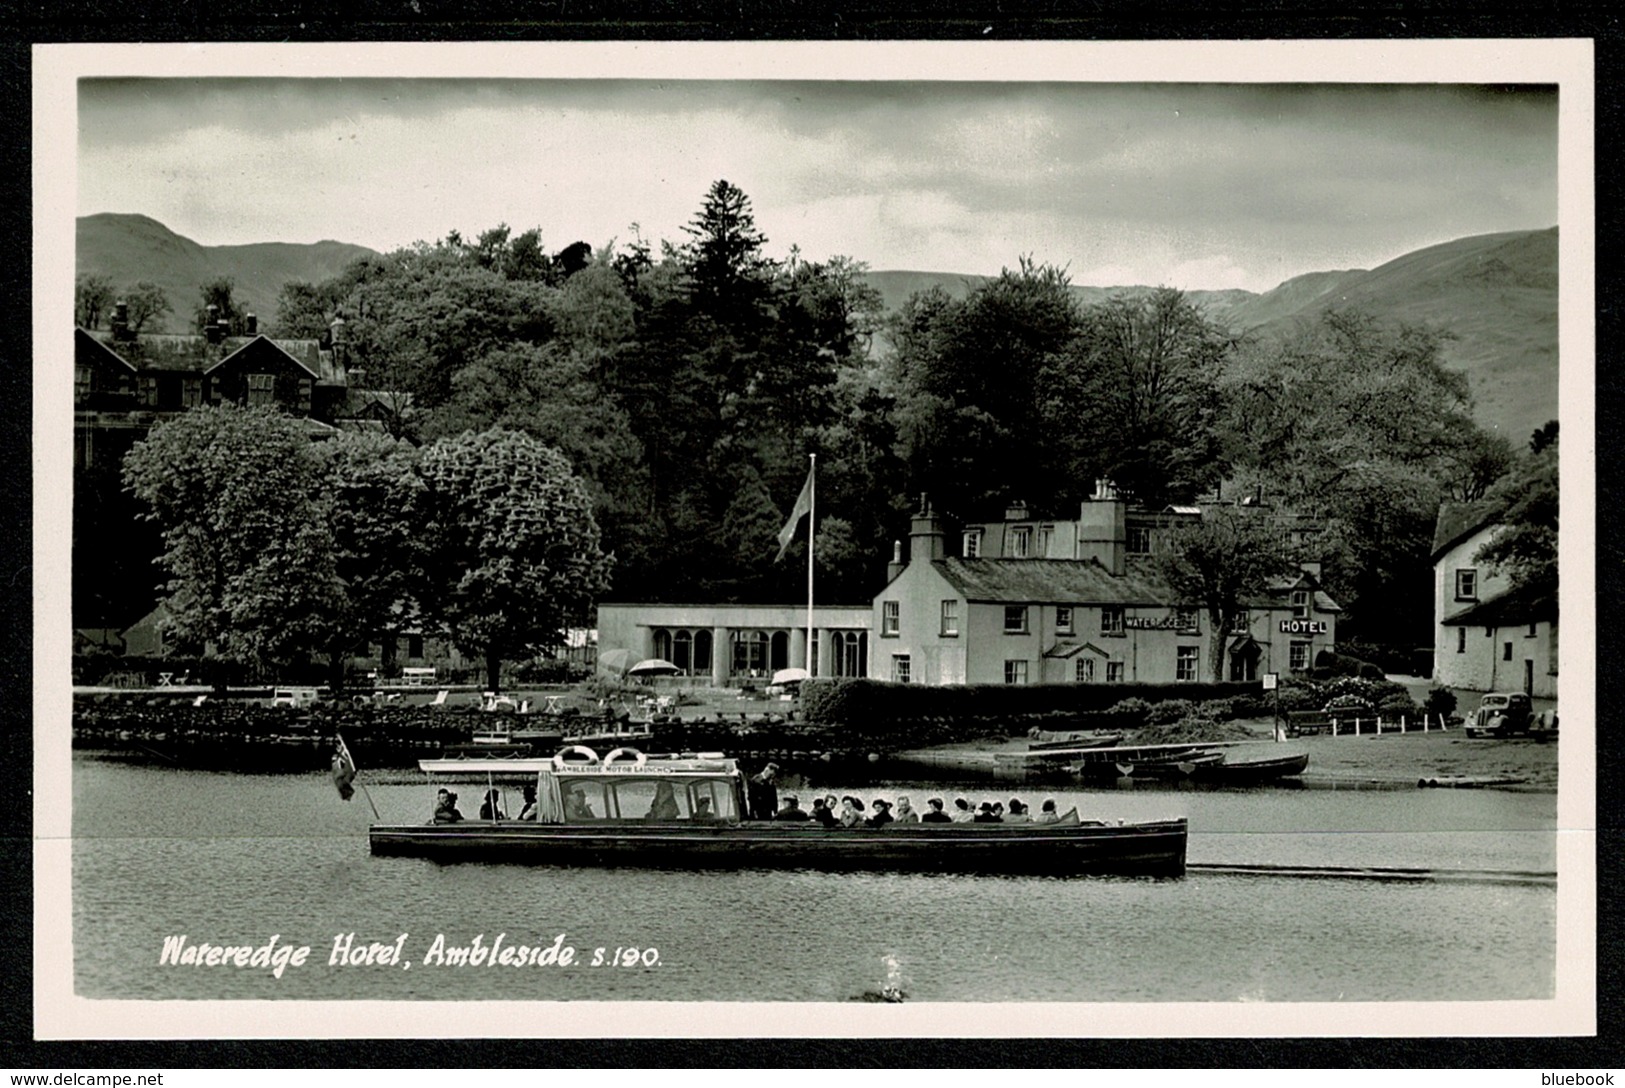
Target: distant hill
1494, 295
130, 248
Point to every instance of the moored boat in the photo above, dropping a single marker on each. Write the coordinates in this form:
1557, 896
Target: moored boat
631, 810
1251, 772
1046, 742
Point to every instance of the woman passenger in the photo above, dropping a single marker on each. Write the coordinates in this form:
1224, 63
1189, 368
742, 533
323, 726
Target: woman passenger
665, 803
851, 812
1046, 812
491, 809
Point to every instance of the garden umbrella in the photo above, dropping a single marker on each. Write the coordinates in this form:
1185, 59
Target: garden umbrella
653, 666
789, 676
615, 662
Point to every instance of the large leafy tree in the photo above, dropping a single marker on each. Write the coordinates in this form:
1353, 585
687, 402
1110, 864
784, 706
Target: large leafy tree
218, 293
1222, 560
372, 484
1359, 422
1526, 545
147, 302
1133, 399
247, 542
512, 550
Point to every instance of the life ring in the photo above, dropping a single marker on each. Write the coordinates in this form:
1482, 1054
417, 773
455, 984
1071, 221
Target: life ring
619, 755
591, 760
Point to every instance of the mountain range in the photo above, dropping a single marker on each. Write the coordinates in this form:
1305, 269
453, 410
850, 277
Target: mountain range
1494, 296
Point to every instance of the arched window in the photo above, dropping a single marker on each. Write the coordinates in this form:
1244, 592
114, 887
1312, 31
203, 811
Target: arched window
702, 652
662, 641
682, 651
851, 654
750, 653
780, 651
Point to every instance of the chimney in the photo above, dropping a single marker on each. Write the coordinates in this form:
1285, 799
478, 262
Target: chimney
121, 321
925, 541
1103, 532
895, 567
250, 325
1016, 511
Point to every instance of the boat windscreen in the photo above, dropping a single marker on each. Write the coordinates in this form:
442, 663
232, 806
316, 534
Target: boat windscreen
652, 798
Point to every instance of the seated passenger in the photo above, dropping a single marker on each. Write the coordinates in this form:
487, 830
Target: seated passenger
576, 806
529, 811
665, 803
851, 812
986, 815
882, 815
1046, 812
702, 809
490, 808
1018, 813
905, 812
962, 813
823, 814
934, 813
445, 808
791, 811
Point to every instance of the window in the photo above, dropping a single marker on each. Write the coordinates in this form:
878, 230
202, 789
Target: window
1467, 584
1531, 633
973, 543
1046, 534
891, 618
1083, 670
851, 653
1139, 540
702, 652
1015, 619
900, 668
1114, 672
1241, 622
1506, 651
1185, 665
1021, 542
1461, 640
261, 388
81, 384
1185, 618
1111, 621
191, 392
1298, 657
750, 653
950, 619
1300, 604
1063, 619
1015, 672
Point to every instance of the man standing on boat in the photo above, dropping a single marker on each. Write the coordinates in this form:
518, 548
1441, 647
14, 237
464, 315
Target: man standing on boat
762, 795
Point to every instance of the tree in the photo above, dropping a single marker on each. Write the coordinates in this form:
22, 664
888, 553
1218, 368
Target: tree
512, 555
218, 293
1134, 399
146, 301
372, 483
247, 542
1222, 560
726, 269
1526, 545
1545, 436
91, 297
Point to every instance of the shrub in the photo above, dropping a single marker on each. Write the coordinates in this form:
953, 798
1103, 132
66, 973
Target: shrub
1299, 695
1440, 700
1396, 704
1171, 711
1220, 710
1349, 706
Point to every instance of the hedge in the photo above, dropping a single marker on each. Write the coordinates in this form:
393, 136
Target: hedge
864, 702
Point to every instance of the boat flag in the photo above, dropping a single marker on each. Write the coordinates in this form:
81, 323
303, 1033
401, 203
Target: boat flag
343, 770
802, 507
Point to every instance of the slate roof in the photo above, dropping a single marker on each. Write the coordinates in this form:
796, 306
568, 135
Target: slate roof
1085, 582
188, 352
1513, 608
1459, 520
1058, 581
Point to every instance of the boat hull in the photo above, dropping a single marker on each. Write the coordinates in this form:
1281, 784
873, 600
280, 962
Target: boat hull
1254, 772
1153, 849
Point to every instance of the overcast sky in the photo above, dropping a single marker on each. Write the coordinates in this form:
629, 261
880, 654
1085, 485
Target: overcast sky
1195, 186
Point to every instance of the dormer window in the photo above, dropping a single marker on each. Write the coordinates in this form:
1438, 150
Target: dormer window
1139, 540
1300, 604
1046, 534
1467, 584
972, 543
1021, 542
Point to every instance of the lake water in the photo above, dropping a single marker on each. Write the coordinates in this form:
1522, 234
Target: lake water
234, 860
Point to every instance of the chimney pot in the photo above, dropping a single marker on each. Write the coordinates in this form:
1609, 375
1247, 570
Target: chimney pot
251, 324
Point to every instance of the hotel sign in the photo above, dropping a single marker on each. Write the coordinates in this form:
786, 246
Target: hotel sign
1159, 623
1304, 627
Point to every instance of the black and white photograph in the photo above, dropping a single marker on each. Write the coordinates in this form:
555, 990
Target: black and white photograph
895, 540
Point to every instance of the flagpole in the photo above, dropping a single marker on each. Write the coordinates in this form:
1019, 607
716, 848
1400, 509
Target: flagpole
812, 509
